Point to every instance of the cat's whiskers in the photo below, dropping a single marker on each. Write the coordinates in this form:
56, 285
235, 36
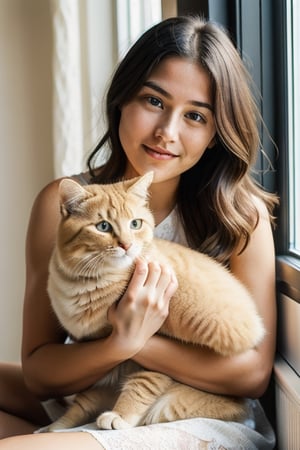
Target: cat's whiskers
90, 265
97, 265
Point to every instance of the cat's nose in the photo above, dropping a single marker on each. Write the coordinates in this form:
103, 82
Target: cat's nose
124, 245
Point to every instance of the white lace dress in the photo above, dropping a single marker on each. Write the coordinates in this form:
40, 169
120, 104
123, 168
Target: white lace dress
192, 434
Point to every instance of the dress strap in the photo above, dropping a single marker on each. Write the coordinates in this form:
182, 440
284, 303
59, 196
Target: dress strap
82, 178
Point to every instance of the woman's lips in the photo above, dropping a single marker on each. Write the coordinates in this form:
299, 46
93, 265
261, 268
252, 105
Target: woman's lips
159, 153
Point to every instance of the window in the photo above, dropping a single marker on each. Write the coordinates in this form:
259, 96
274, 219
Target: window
293, 59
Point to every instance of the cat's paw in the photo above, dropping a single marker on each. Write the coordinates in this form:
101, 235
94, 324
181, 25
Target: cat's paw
55, 426
52, 427
46, 429
112, 421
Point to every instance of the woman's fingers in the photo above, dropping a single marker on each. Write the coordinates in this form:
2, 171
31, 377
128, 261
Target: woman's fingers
154, 272
172, 287
145, 304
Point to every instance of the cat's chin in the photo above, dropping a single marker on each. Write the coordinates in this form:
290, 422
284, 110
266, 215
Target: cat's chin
119, 262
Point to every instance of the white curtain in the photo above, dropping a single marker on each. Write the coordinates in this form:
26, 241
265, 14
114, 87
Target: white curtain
135, 16
88, 39
67, 100
84, 56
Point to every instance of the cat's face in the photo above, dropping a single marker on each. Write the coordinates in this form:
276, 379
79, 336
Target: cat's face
103, 227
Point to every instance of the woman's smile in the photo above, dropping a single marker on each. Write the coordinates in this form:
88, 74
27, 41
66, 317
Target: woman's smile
159, 153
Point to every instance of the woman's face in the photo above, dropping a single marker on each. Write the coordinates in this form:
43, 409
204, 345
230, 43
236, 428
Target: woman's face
169, 123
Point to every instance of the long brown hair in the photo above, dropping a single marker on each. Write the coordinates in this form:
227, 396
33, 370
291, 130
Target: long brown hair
216, 196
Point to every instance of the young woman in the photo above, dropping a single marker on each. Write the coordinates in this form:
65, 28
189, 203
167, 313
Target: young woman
179, 104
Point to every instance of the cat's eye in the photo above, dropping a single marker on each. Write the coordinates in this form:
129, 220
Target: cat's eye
104, 226
136, 224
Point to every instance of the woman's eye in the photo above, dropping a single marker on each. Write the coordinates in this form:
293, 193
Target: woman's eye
196, 117
136, 224
154, 101
104, 226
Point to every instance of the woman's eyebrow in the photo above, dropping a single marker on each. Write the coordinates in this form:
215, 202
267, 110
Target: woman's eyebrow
157, 88
166, 94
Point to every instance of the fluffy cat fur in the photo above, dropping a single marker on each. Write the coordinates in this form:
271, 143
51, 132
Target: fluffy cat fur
103, 229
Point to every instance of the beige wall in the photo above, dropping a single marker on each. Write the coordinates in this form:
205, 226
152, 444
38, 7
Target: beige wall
26, 146
26, 153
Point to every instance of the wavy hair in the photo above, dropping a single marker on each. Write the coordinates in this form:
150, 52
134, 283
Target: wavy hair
216, 197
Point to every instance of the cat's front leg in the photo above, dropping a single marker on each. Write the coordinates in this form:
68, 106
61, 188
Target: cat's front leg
139, 393
86, 407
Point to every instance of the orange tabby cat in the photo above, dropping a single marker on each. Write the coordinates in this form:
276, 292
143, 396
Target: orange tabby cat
103, 229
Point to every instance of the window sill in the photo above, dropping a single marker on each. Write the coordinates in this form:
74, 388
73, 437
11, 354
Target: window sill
288, 276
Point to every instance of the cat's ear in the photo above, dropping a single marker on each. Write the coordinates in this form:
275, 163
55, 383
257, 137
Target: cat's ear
141, 185
71, 194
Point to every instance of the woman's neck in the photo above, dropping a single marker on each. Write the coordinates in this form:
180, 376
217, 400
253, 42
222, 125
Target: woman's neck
162, 200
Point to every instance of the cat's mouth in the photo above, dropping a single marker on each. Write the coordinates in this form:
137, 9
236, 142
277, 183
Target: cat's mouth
120, 252
121, 257
159, 153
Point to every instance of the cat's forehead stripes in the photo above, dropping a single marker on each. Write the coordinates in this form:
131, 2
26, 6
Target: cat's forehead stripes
111, 207
116, 207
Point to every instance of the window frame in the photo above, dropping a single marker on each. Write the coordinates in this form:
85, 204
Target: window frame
287, 261
284, 136
293, 131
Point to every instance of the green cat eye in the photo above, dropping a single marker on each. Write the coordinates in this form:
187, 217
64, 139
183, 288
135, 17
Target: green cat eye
104, 226
136, 224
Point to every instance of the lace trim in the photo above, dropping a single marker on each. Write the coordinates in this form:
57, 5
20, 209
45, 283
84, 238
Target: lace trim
149, 438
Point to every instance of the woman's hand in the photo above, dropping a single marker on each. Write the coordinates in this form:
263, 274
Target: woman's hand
145, 305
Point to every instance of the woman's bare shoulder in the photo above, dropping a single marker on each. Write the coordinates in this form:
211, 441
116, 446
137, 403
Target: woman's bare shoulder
261, 207
44, 218
42, 227
48, 192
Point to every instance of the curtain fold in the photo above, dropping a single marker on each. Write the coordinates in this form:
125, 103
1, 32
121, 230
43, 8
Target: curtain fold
133, 17
67, 83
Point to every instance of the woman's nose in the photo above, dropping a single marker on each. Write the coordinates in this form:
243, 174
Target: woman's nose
167, 128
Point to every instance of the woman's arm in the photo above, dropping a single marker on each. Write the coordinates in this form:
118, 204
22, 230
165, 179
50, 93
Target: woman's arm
52, 368
246, 374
